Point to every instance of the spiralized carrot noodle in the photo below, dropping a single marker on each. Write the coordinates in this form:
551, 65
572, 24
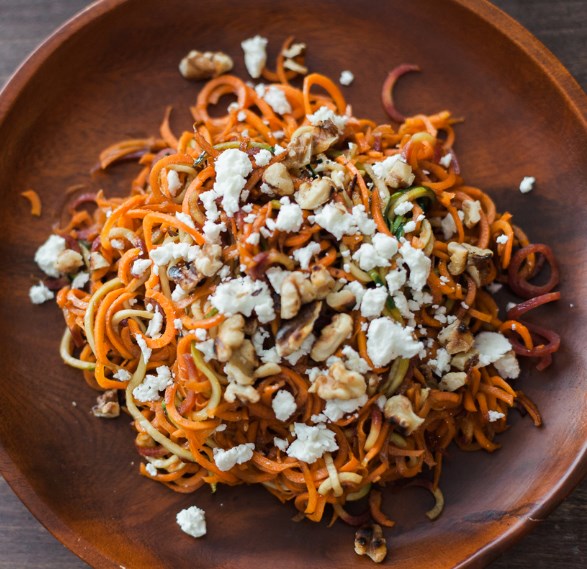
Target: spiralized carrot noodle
34, 200
297, 297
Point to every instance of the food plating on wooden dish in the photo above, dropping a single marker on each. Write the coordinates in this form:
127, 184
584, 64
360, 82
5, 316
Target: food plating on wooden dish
297, 297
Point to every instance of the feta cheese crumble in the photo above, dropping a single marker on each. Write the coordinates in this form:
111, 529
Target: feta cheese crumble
284, 405
388, 340
527, 184
47, 254
232, 167
244, 295
305, 254
192, 521
40, 293
149, 389
324, 114
495, 416
346, 77
311, 442
255, 50
227, 459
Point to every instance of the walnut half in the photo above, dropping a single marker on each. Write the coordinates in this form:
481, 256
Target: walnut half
204, 65
370, 541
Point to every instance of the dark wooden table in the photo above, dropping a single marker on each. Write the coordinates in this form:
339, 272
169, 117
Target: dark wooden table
557, 543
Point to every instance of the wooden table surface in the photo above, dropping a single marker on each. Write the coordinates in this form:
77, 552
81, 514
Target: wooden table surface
560, 542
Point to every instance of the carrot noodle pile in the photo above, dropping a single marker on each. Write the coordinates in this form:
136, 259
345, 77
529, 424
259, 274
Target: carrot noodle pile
302, 298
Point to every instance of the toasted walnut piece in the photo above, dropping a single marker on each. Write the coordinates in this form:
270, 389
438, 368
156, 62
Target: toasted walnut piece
339, 383
184, 275
231, 335
241, 366
295, 290
314, 194
294, 50
478, 263
278, 179
204, 65
267, 370
472, 211
292, 333
295, 66
370, 541
461, 361
97, 261
331, 337
68, 261
209, 261
322, 282
452, 381
107, 406
299, 149
458, 258
400, 175
325, 135
456, 337
398, 410
244, 393
341, 300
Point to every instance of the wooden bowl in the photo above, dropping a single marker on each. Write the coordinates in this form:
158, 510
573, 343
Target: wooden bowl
107, 75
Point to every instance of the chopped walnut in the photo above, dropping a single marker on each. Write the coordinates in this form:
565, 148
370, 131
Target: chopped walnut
294, 332
478, 263
331, 337
458, 258
452, 381
107, 406
230, 336
339, 383
244, 393
267, 370
456, 337
299, 149
209, 261
295, 290
241, 366
184, 275
68, 261
314, 194
461, 361
398, 410
97, 261
325, 135
278, 179
341, 300
322, 282
472, 211
400, 175
204, 65
370, 541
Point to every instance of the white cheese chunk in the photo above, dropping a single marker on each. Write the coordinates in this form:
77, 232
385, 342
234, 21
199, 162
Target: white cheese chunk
227, 459
527, 184
388, 340
311, 442
47, 254
284, 405
346, 77
255, 50
232, 167
40, 293
192, 521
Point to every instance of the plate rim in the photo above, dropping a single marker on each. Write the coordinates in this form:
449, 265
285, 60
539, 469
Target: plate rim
490, 14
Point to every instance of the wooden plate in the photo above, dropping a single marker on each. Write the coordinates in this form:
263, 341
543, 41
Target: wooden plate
108, 74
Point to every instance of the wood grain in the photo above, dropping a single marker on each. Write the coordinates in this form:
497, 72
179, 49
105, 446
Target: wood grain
560, 541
